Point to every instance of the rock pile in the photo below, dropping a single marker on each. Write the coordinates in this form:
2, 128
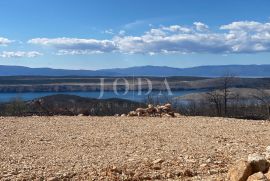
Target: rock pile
255, 168
154, 111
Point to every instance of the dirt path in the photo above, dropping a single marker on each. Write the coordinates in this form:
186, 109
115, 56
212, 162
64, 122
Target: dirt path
117, 148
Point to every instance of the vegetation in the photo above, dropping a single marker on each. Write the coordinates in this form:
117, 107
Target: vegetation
68, 105
73, 83
226, 102
223, 98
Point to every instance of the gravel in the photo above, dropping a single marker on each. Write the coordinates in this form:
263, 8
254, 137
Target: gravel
125, 148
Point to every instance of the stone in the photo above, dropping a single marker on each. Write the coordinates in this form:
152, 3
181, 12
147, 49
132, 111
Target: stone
267, 156
167, 115
158, 161
267, 153
140, 110
154, 111
259, 176
168, 106
191, 161
240, 171
213, 171
52, 179
116, 170
177, 115
156, 167
164, 108
268, 175
203, 165
132, 113
189, 173
258, 163
209, 160
268, 149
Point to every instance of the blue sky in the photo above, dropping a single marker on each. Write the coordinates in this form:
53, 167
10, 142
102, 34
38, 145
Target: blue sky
95, 34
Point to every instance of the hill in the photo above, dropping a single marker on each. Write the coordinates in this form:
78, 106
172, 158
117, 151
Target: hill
157, 71
70, 105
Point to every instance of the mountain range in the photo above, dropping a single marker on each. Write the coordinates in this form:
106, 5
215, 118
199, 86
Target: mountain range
158, 71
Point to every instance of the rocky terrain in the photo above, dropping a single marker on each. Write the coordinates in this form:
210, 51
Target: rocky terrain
127, 148
165, 110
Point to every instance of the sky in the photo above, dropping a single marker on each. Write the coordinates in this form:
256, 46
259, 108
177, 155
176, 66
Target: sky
97, 34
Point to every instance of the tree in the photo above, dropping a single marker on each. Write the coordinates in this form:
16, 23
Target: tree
215, 97
16, 107
221, 95
264, 97
226, 84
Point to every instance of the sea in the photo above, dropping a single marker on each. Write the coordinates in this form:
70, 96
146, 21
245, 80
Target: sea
131, 95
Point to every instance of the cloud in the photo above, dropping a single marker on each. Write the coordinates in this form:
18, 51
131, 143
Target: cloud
19, 54
5, 41
247, 26
109, 31
77, 52
248, 36
177, 28
176, 43
233, 38
122, 33
76, 45
201, 26
135, 24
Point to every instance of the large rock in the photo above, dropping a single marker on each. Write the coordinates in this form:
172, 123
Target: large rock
258, 163
240, 171
259, 176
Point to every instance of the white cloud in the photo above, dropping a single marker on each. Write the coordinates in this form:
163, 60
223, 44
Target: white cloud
177, 28
236, 37
109, 31
19, 54
4, 41
247, 26
176, 43
248, 36
135, 24
122, 33
200, 26
76, 45
77, 52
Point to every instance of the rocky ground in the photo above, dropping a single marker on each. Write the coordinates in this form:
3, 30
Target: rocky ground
126, 148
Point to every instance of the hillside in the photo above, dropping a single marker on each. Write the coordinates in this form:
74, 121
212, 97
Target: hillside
241, 93
69, 105
74, 83
114, 148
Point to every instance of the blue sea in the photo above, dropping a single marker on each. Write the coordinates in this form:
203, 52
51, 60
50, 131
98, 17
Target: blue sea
134, 96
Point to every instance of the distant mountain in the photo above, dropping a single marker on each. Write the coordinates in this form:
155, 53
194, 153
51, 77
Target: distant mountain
159, 71
201, 71
26, 71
